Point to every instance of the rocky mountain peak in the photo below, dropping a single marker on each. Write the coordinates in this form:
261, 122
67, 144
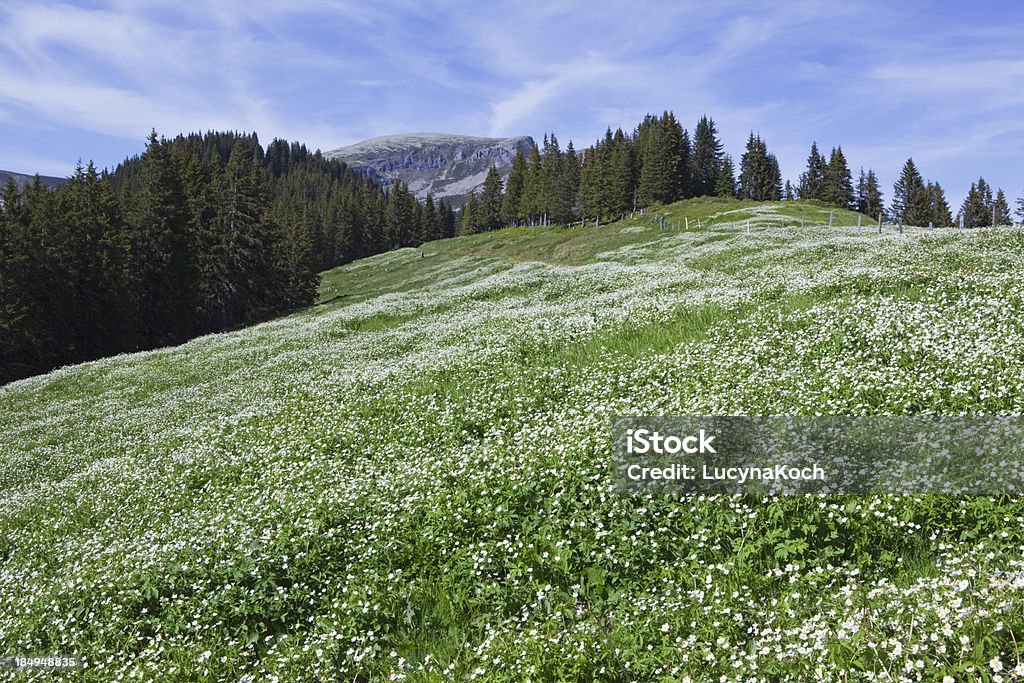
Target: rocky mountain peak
441, 164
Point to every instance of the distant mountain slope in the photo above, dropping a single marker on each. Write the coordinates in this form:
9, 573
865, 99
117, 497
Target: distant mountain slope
22, 179
441, 164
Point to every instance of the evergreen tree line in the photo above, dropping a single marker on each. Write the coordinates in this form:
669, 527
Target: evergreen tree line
915, 201
198, 234
659, 163
981, 209
655, 164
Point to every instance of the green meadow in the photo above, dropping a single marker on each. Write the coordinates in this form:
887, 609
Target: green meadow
411, 479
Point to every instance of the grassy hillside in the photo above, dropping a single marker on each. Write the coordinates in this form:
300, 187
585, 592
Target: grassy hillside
410, 481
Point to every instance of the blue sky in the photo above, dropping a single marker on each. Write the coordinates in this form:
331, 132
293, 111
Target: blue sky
940, 81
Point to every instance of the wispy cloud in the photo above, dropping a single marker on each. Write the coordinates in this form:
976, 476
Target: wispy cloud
886, 81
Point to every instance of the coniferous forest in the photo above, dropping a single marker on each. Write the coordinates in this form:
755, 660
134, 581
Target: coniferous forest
198, 234
207, 232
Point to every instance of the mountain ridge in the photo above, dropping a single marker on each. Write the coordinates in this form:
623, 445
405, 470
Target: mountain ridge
25, 179
445, 165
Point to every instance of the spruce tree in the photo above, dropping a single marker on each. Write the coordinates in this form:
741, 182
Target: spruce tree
620, 175
976, 209
874, 205
753, 166
658, 162
760, 176
570, 184
446, 218
684, 172
1002, 209
489, 217
555, 209
95, 284
725, 184
21, 334
707, 157
861, 192
162, 256
515, 185
532, 203
911, 203
811, 185
939, 214
591, 194
468, 220
432, 229
401, 217
837, 184
774, 177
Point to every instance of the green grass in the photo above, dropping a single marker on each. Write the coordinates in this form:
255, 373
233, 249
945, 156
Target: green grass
411, 478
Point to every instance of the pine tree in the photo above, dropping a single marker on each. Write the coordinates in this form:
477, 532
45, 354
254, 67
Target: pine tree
22, 337
570, 184
812, 180
774, 177
1020, 208
560, 174
837, 183
515, 185
939, 214
976, 209
162, 256
95, 283
658, 163
862, 192
684, 172
293, 277
760, 176
789, 195
468, 220
725, 184
620, 175
198, 233
401, 217
707, 157
1002, 209
591, 193
490, 202
911, 203
752, 168
447, 216
432, 229
874, 205
532, 207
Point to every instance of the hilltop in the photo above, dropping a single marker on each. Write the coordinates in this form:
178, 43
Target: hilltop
410, 479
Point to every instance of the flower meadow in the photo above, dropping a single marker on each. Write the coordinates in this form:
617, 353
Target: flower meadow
411, 480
